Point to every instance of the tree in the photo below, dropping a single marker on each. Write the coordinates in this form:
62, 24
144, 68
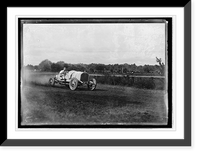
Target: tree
29, 67
100, 67
91, 70
80, 67
55, 67
66, 65
36, 67
149, 68
116, 68
60, 65
45, 65
125, 70
161, 66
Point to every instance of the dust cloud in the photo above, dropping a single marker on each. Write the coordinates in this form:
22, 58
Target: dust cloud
35, 77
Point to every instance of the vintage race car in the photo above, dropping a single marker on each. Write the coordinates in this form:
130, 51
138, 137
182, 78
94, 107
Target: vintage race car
74, 79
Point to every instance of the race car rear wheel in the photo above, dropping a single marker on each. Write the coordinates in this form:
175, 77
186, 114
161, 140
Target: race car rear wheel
92, 84
73, 84
52, 81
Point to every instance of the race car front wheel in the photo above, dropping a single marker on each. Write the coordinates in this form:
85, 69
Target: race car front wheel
92, 84
73, 84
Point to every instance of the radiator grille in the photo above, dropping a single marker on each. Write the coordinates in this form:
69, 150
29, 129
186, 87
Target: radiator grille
84, 77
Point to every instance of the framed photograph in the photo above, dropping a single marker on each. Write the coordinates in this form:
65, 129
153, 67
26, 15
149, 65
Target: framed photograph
123, 62
94, 77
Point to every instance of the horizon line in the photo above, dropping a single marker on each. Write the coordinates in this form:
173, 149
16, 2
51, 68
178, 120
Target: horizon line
98, 63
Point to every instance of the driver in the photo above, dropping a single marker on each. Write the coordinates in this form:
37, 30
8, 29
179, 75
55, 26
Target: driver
63, 73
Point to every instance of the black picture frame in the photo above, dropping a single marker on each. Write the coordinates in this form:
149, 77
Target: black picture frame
124, 142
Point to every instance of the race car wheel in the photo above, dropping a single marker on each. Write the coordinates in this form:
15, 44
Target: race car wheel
73, 84
52, 81
92, 84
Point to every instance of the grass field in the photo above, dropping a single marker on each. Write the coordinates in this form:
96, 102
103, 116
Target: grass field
108, 104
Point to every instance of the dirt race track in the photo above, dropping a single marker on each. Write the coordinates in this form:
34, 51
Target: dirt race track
58, 105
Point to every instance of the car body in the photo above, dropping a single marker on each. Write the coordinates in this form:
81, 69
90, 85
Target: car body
74, 79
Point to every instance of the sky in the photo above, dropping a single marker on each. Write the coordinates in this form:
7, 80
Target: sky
138, 43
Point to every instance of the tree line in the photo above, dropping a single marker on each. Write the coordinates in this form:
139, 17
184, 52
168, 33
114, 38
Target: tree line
48, 66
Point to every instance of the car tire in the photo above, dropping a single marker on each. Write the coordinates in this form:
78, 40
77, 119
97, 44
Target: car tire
73, 84
51, 81
92, 84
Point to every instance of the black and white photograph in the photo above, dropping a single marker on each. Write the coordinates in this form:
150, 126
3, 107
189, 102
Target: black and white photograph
95, 73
